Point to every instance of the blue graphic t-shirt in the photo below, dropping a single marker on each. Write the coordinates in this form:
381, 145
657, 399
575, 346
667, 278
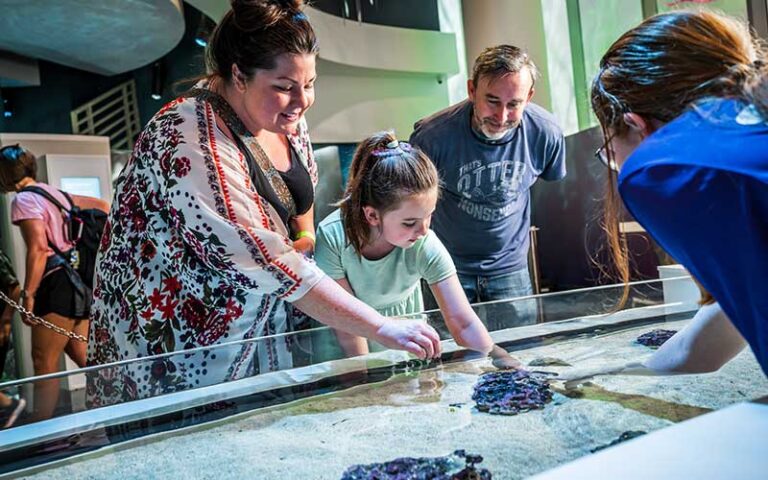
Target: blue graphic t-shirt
484, 213
699, 186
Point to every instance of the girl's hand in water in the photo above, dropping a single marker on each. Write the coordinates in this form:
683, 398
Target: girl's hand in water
503, 360
413, 336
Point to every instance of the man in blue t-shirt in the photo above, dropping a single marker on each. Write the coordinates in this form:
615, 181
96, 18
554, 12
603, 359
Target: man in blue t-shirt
489, 151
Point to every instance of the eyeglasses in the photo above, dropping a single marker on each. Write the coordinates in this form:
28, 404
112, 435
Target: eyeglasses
602, 155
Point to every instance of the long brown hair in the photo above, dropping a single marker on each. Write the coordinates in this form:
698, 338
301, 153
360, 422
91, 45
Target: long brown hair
253, 33
663, 67
383, 173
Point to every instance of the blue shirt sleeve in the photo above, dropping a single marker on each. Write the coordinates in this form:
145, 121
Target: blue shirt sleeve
434, 261
554, 168
328, 251
417, 140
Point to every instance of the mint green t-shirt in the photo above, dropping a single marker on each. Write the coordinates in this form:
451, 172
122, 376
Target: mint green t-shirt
391, 285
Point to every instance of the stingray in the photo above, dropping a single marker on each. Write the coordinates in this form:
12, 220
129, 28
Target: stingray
548, 362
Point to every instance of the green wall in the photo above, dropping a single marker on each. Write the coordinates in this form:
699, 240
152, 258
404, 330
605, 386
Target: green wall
594, 25
736, 8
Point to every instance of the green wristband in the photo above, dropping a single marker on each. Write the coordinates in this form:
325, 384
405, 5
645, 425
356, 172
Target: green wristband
306, 233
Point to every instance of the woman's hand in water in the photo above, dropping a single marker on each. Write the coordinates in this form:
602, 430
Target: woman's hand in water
576, 376
503, 360
414, 336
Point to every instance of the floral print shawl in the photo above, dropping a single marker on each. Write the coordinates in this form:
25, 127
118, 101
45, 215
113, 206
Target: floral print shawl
191, 257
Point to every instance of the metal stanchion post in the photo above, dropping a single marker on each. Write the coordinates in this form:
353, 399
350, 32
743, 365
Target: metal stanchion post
533, 260
533, 265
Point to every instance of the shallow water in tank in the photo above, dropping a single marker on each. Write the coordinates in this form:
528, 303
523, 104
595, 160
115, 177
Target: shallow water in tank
430, 413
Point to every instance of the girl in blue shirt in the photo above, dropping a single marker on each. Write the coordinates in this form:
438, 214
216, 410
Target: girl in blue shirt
683, 100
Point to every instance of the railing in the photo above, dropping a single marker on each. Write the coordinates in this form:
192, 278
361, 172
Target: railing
114, 114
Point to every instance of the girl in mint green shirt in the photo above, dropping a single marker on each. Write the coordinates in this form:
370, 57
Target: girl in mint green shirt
378, 245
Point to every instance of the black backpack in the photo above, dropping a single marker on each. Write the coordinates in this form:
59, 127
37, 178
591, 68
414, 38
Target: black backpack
84, 228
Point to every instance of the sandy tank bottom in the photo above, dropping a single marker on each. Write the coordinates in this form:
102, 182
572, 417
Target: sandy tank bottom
430, 413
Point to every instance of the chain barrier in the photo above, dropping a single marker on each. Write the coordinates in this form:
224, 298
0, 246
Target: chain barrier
40, 321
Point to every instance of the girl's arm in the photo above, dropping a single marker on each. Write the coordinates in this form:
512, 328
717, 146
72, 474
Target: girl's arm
352, 345
464, 324
33, 232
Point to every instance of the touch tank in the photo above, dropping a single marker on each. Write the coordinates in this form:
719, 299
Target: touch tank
320, 419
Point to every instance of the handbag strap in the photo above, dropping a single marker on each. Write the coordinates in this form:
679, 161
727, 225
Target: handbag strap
252, 150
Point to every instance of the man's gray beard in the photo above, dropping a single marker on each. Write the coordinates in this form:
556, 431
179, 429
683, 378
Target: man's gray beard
493, 136
480, 129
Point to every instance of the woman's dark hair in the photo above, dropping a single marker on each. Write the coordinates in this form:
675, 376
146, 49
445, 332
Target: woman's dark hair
253, 33
383, 173
663, 67
16, 163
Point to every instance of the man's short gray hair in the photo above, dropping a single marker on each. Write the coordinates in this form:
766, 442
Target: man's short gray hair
501, 60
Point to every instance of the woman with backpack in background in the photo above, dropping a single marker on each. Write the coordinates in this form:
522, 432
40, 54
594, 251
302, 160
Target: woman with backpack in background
50, 287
